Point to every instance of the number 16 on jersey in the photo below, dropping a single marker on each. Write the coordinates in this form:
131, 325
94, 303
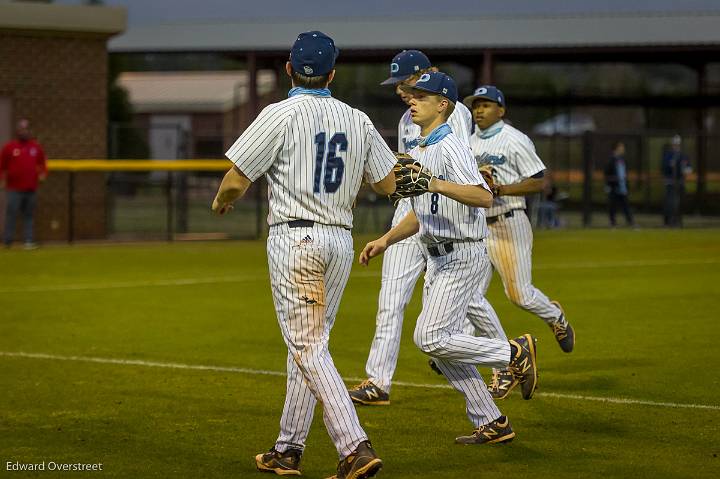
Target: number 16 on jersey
327, 158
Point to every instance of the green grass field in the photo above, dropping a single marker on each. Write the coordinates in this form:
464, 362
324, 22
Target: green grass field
645, 306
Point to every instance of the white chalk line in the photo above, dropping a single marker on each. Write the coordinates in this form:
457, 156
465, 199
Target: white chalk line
628, 263
130, 284
229, 369
358, 274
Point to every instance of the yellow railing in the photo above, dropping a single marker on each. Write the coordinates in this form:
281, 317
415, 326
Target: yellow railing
139, 165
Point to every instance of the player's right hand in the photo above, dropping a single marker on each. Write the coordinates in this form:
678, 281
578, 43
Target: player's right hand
221, 207
372, 249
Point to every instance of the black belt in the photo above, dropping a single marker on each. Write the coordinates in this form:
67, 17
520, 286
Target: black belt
301, 224
441, 249
493, 219
307, 224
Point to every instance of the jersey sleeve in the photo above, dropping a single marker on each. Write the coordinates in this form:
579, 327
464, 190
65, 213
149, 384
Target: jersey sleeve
256, 149
401, 143
41, 162
461, 123
380, 159
526, 159
461, 166
4, 160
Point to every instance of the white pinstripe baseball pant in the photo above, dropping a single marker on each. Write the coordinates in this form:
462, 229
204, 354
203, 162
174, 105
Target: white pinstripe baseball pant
309, 268
510, 242
450, 283
482, 320
403, 263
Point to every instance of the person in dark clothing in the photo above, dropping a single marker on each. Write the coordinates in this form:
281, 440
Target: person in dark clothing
616, 184
675, 166
547, 210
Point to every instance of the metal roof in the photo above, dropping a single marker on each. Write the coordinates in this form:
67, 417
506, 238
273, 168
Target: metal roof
466, 32
68, 18
156, 12
155, 92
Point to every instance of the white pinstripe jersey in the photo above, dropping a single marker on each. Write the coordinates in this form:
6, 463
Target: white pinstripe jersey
408, 136
512, 156
440, 217
314, 152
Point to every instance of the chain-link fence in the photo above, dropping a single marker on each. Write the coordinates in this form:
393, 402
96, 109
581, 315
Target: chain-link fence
130, 200
176, 206
131, 203
576, 167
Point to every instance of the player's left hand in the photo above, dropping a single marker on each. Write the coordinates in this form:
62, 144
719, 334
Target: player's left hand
372, 249
411, 178
221, 208
487, 174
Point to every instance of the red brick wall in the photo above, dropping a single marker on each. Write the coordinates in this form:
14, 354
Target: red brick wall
59, 82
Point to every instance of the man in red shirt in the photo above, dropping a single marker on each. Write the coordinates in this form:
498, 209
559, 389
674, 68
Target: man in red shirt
22, 167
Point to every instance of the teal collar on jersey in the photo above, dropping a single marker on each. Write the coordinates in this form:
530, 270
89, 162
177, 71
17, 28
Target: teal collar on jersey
436, 135
325, 92
490, 131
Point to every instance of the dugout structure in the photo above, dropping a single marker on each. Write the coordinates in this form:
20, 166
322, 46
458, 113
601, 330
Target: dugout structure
643, 73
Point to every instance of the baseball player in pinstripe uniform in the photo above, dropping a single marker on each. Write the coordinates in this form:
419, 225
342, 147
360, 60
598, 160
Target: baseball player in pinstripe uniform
314, 151
405, 261
510, 157
450, 222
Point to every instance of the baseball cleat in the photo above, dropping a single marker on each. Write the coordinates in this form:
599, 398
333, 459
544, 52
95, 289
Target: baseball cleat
281, 463
523, 364
503, 381
360, 464
564, 333
368, 394
433, 365
496, 432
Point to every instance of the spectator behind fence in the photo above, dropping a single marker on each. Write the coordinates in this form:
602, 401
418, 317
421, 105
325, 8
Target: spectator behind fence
548, 206
616, 184
675, 166
22, 167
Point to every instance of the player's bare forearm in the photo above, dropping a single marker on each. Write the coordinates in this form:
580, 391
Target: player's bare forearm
386, 186
470, 195
407, 227
233, 187
525, 187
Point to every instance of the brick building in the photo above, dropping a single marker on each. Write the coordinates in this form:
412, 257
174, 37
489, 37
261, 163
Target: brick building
53, 71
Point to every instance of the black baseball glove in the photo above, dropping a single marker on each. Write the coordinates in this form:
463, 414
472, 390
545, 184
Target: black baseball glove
411, 178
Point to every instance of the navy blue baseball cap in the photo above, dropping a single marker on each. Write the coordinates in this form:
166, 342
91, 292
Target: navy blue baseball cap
485, 92
406, 64
313, 54
436, 82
